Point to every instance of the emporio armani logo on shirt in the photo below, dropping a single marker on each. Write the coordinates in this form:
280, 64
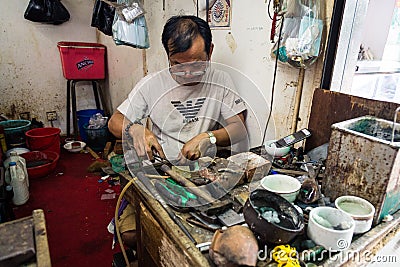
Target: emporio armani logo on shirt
238, 101
188, 110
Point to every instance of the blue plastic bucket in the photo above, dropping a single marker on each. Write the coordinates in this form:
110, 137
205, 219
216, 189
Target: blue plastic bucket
96, 139
83, 117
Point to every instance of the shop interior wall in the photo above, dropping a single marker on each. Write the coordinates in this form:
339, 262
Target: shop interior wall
245, 46
32, 77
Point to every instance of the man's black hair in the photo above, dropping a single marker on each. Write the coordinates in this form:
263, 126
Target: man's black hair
180, 31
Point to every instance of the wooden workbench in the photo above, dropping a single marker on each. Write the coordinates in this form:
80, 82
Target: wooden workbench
24, 242
162, 243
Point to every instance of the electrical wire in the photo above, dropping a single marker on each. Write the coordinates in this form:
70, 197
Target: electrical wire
117, 223
273, 82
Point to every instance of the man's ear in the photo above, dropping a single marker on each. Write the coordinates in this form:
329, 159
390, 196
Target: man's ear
211, 50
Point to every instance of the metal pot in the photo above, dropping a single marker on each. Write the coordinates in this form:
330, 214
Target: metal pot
290, 223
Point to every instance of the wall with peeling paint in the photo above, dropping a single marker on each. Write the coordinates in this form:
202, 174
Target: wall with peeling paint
245, 47
30, 67
32, 77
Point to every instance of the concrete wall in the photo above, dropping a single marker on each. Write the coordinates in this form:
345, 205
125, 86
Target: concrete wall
244, 47
32, 78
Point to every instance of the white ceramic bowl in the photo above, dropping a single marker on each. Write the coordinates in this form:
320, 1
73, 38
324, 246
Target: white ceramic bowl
319, 230
276, 151
284, 185
68, 146
359, 209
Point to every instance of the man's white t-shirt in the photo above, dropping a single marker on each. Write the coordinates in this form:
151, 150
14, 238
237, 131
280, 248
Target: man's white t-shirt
178, 112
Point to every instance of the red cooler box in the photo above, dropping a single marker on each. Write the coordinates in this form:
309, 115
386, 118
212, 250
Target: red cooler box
82, 61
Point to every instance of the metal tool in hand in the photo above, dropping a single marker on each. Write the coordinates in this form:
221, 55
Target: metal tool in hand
161, 160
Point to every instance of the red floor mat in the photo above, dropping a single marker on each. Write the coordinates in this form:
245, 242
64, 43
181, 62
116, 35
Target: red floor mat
76, 217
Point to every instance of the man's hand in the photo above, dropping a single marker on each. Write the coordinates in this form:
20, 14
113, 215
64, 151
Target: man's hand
233, 132
195, 147
145, 142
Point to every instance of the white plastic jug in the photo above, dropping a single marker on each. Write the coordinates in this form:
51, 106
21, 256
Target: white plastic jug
21, 164
19, 182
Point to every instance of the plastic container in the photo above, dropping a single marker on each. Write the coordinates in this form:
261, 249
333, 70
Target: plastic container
96, 138
44, 139
82, 61
19, 182
83, 118
21, 163
14, 131
40, 163
19, 150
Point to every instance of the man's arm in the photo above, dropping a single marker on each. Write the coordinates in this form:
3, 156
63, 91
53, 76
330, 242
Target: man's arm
233, 132
116, 124
144, 141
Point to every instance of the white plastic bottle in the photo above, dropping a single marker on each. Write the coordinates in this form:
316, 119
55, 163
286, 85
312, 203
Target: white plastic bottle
21, 164
19, 184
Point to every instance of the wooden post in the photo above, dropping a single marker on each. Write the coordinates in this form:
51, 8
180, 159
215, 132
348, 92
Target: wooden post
299, 93
42, 246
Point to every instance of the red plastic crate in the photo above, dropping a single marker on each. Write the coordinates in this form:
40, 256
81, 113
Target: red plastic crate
82, 61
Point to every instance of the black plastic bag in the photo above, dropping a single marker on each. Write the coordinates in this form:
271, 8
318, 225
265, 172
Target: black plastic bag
46, 11
103, 17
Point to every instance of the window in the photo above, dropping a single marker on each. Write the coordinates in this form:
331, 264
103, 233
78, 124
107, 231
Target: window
367, 59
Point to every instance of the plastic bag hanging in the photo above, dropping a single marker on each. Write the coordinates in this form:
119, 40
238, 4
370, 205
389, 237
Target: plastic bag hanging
46, 11
300, 41
129, 27
103, 16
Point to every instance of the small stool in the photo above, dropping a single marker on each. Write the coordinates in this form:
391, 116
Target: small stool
71, 97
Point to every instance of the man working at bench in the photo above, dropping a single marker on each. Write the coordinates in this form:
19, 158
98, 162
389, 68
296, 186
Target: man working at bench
191, 105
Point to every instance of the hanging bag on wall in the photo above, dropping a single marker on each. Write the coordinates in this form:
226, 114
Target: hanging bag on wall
301, 34
103, 16
46, 11
129, 27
